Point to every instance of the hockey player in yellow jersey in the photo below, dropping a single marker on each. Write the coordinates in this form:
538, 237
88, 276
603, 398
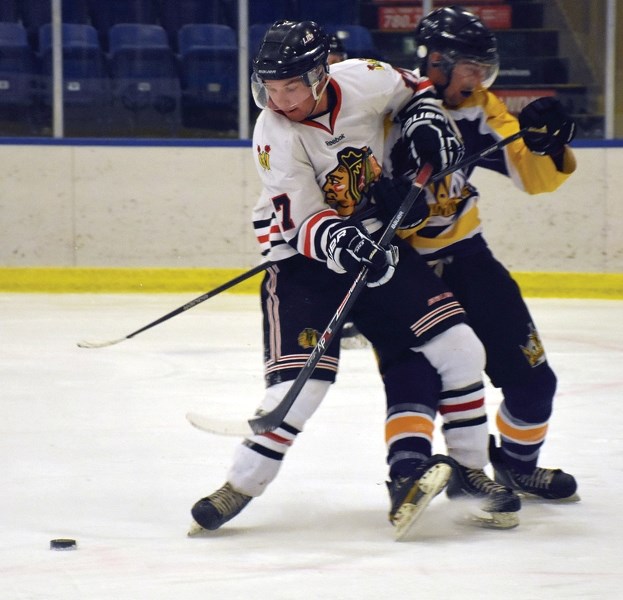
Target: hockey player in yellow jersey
459, 55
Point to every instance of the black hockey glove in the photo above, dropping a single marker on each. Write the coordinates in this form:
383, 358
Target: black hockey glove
431, 137
558, 128
349, 248
389, 194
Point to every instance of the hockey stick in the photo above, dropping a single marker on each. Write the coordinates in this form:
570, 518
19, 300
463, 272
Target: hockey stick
269, 421
470, 160
221, 288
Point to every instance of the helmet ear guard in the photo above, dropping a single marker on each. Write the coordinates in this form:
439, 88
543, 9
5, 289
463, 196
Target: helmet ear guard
314, 78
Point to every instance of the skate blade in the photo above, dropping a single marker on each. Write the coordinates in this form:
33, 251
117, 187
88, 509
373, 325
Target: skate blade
539, 499
429, 485
492, 520
195, 530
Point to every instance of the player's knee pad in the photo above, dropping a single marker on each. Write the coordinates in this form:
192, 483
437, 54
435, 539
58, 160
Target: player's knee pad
458, 355
306, 402
532, 400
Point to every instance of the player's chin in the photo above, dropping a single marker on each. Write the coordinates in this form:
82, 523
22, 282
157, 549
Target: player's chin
297, 112
457, 98
295, 115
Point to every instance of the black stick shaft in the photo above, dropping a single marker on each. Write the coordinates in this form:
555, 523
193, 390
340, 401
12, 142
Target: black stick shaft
271, 420
470, 160
181, 309
217, 290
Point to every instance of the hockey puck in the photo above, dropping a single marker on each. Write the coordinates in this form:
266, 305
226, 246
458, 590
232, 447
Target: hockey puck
63, 544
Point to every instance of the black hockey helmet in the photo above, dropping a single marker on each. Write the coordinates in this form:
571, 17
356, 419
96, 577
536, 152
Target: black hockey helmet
290, 49
335, 45
457, 34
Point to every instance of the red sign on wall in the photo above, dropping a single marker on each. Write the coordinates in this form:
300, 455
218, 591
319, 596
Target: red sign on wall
405, 18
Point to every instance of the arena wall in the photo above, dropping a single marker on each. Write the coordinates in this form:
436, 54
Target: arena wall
188, 207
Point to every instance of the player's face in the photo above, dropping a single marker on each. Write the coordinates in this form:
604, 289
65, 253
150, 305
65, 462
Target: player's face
290, 96
466, 76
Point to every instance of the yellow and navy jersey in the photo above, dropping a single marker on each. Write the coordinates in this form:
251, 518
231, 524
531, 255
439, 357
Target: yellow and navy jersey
454, 224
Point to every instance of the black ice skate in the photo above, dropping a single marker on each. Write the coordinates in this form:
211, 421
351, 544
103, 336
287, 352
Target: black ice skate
211, 512
547, 484
409, 496
498, 506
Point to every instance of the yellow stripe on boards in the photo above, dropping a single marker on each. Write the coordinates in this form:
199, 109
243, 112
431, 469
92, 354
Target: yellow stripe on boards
605, 286
105, 280
109, 280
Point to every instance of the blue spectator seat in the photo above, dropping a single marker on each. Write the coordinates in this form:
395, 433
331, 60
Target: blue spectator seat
145, 78
174, 14
18, 79
106, 13
86, 87
357, 40
206, 35
209, 75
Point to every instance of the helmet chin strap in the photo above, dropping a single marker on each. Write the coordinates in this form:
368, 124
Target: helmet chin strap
446, 66
318, 94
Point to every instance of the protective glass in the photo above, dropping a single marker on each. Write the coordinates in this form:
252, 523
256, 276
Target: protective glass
286, 94
469, 68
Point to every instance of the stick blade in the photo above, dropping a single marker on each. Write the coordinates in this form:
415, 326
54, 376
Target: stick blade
229, 428
87, 344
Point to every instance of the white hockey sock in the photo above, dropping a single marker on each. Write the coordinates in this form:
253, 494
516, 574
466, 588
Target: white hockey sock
258, 459
459, 357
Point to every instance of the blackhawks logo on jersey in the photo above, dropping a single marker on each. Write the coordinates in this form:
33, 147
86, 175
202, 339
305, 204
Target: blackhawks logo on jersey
308, 338
263, 157
344, 185
373, 64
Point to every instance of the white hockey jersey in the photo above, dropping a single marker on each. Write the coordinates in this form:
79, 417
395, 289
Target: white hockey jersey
314, 172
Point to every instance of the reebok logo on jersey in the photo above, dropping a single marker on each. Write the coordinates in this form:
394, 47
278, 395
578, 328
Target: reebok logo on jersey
335, 140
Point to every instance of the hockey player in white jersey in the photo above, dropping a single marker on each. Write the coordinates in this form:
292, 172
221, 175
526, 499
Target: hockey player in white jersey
315, 144
459, 54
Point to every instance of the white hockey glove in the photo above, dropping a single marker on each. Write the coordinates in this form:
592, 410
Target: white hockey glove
349, 248
431, 137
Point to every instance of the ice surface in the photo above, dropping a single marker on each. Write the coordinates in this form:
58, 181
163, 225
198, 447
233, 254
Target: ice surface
94, 446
